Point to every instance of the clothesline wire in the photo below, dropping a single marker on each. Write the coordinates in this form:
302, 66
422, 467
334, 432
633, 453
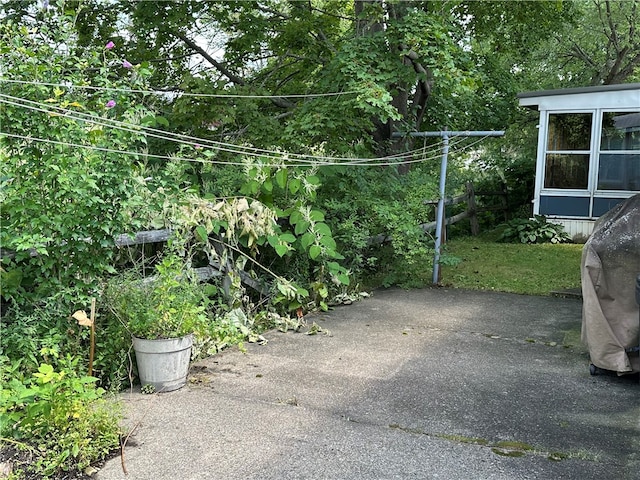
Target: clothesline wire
174, 92
198, 142
205, 161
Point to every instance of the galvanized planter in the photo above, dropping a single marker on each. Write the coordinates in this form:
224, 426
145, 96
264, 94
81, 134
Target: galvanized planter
163, 363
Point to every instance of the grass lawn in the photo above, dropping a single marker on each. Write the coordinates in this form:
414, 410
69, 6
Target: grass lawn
516, 268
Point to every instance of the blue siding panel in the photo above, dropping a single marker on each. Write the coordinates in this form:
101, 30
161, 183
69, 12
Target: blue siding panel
603, 205
564, 206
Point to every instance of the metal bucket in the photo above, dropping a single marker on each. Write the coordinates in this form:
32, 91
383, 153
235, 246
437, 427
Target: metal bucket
164, 363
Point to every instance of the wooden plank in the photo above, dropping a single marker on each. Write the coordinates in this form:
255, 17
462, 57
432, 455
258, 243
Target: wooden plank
456, 218
122, 240
147, 236
450, 200
475, 227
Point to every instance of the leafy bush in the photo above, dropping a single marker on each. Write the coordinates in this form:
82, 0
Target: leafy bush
534, 230
65, 193
369, 204
61, 418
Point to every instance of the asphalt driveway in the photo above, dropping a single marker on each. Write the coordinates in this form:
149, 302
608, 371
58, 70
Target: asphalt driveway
429, 384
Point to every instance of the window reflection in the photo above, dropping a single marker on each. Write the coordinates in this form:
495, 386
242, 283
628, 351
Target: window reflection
620, 131
569, 131
619, 172
566, 171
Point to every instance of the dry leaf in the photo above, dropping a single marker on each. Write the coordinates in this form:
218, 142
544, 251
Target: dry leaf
81, 317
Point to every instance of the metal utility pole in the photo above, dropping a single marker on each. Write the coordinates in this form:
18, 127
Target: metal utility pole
445, 134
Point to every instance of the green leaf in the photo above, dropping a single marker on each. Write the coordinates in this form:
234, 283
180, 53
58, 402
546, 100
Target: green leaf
313, 180
295, 217
301, 227
148, 120
294, 185
281, 178
287, 237
307, 239
162, 121
281, 250
273, 240
317, 216
323, 229
328, 242
315, 251
202, 234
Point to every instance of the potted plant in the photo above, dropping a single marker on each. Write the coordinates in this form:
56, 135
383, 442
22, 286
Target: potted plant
161, 313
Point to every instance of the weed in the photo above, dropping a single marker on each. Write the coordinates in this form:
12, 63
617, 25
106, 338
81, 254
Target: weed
61, 417
147, 389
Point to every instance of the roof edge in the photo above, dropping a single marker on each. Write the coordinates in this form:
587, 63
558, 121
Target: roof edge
578, 90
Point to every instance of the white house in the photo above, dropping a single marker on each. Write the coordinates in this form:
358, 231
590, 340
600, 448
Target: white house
588, 152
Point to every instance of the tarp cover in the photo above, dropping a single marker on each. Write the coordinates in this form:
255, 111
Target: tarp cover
610, 265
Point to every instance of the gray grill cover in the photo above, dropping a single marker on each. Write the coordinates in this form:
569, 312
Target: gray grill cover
610, 265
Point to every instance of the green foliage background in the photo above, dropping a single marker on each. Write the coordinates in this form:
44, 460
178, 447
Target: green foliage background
280, 163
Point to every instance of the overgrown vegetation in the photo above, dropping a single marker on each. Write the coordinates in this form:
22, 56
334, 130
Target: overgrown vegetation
109, 126
59, 418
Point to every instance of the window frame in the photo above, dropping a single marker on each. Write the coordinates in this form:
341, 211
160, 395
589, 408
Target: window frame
599, 152
545, 140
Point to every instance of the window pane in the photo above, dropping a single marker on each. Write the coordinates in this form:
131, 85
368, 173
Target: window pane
566, 171
619, 172
620, 131
569, 131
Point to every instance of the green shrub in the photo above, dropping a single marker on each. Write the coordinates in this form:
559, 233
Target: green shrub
60, 417
534, 230
47, 334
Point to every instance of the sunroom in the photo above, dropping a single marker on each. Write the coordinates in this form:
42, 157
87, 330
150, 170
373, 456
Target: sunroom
588, 156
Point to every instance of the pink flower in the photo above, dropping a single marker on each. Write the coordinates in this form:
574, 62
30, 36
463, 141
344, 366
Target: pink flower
110, 104
109, 45
126, 64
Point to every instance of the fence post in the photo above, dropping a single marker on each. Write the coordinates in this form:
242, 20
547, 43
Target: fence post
505, 201
471, 208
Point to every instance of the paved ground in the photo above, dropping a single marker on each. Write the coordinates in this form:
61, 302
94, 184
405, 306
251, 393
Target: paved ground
427, 384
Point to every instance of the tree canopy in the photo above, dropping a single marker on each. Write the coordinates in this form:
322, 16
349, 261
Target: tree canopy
317, 80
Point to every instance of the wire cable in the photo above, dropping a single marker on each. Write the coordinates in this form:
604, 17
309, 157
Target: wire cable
178, 93
203, 161
194, 141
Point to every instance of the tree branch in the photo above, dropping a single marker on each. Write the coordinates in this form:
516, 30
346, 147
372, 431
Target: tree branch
578, 53
217, 65
278, 101
624, 72
423, 88
614, 34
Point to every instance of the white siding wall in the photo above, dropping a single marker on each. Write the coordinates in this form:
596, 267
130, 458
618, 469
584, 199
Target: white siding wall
575, 227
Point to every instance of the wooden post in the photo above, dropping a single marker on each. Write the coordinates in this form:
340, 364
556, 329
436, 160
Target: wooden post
505, 202
471, 206
92, 344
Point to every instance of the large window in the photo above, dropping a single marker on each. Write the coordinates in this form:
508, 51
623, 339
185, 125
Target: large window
619, 158
568, 150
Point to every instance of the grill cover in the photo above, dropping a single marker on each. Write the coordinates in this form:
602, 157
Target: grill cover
609, 268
